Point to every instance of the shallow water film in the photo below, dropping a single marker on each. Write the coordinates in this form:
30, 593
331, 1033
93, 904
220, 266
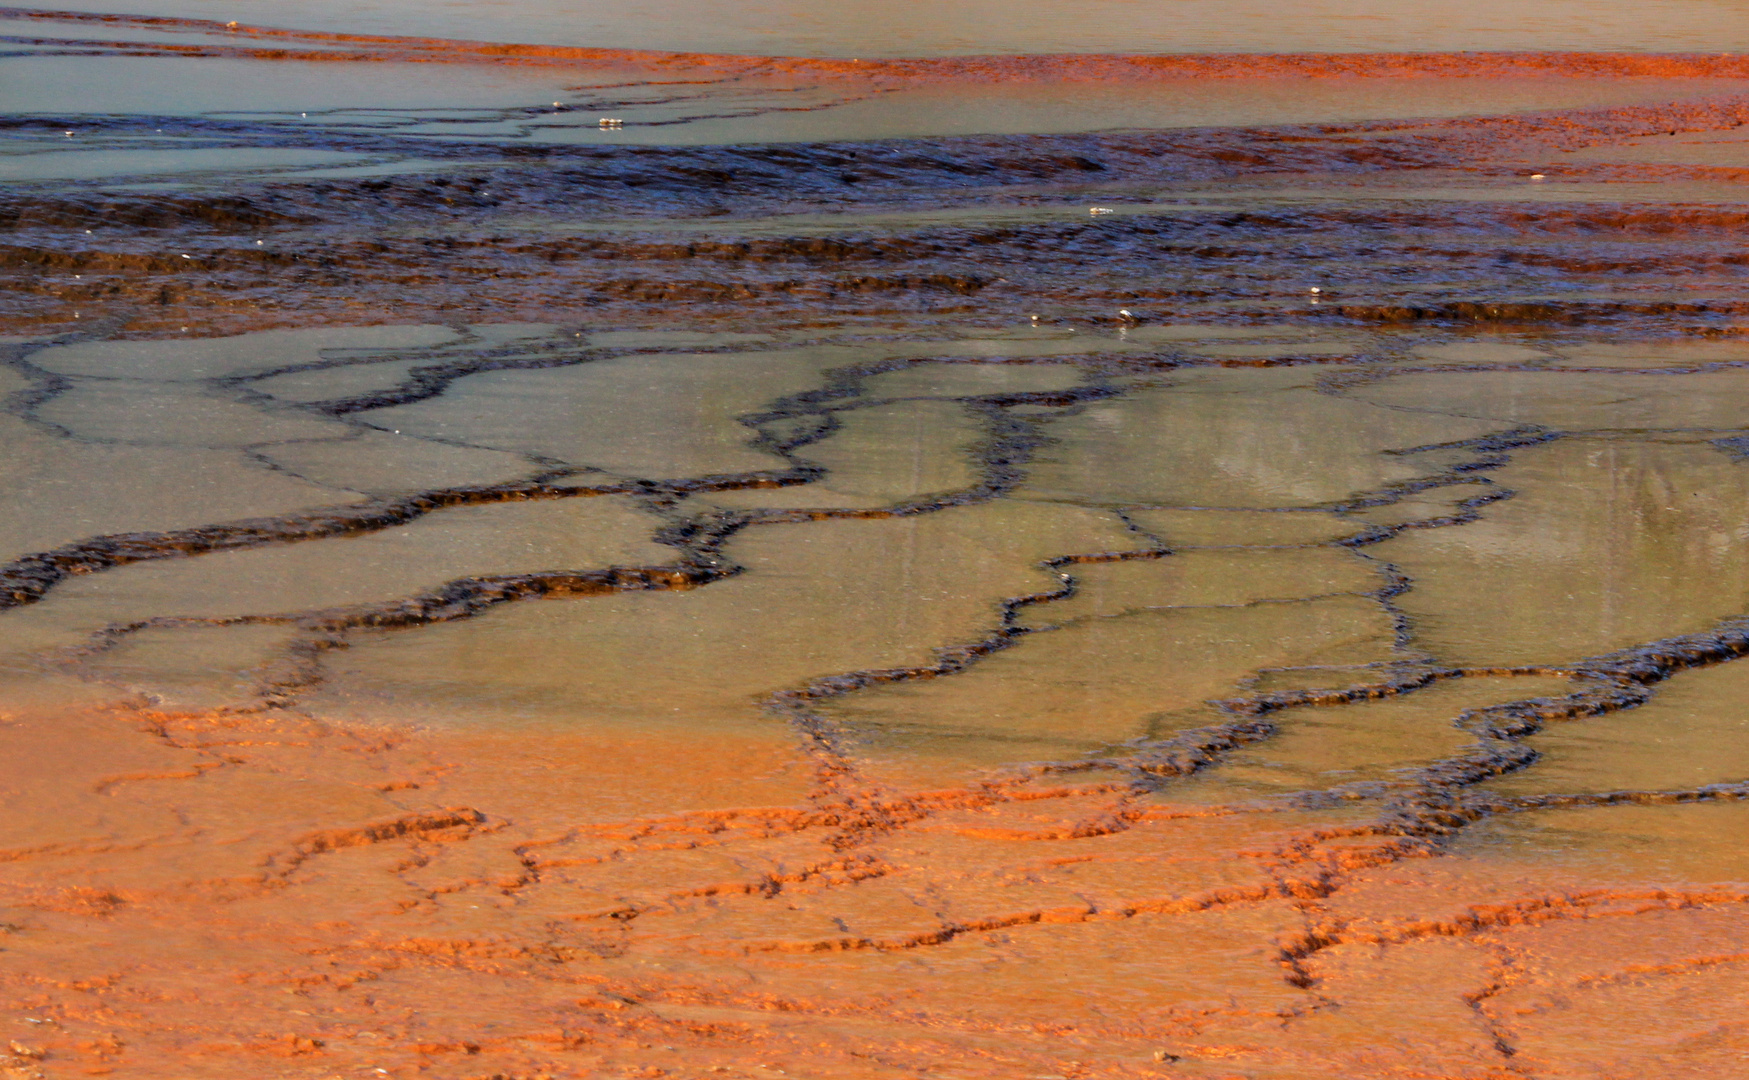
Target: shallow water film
543, 557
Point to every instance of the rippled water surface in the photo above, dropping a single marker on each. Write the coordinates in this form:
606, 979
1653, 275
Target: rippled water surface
556, 561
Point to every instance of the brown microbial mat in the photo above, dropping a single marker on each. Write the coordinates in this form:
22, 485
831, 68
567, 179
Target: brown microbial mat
1097, 567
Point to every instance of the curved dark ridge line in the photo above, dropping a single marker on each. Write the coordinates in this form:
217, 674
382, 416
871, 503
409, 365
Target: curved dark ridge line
45, 387
1412, 676
810, 428
1396, 584
846, 382
1155, 761
241, 390
1001, 456
1008, 444
700, 540
1181, 755
30, 578
1469, 510
369, 356
52, 385
460, 598
1656, 661
327, 629
27, 580
1155, 540
1241, 605
429, 381
1195, 749
1493, 443
1459, 474
420, 383
432, 380
1439, 807
823, 737
1511, 804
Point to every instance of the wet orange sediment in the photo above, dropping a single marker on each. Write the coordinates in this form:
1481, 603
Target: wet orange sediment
212, 894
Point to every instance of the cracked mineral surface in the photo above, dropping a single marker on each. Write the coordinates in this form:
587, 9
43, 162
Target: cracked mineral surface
771, 585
